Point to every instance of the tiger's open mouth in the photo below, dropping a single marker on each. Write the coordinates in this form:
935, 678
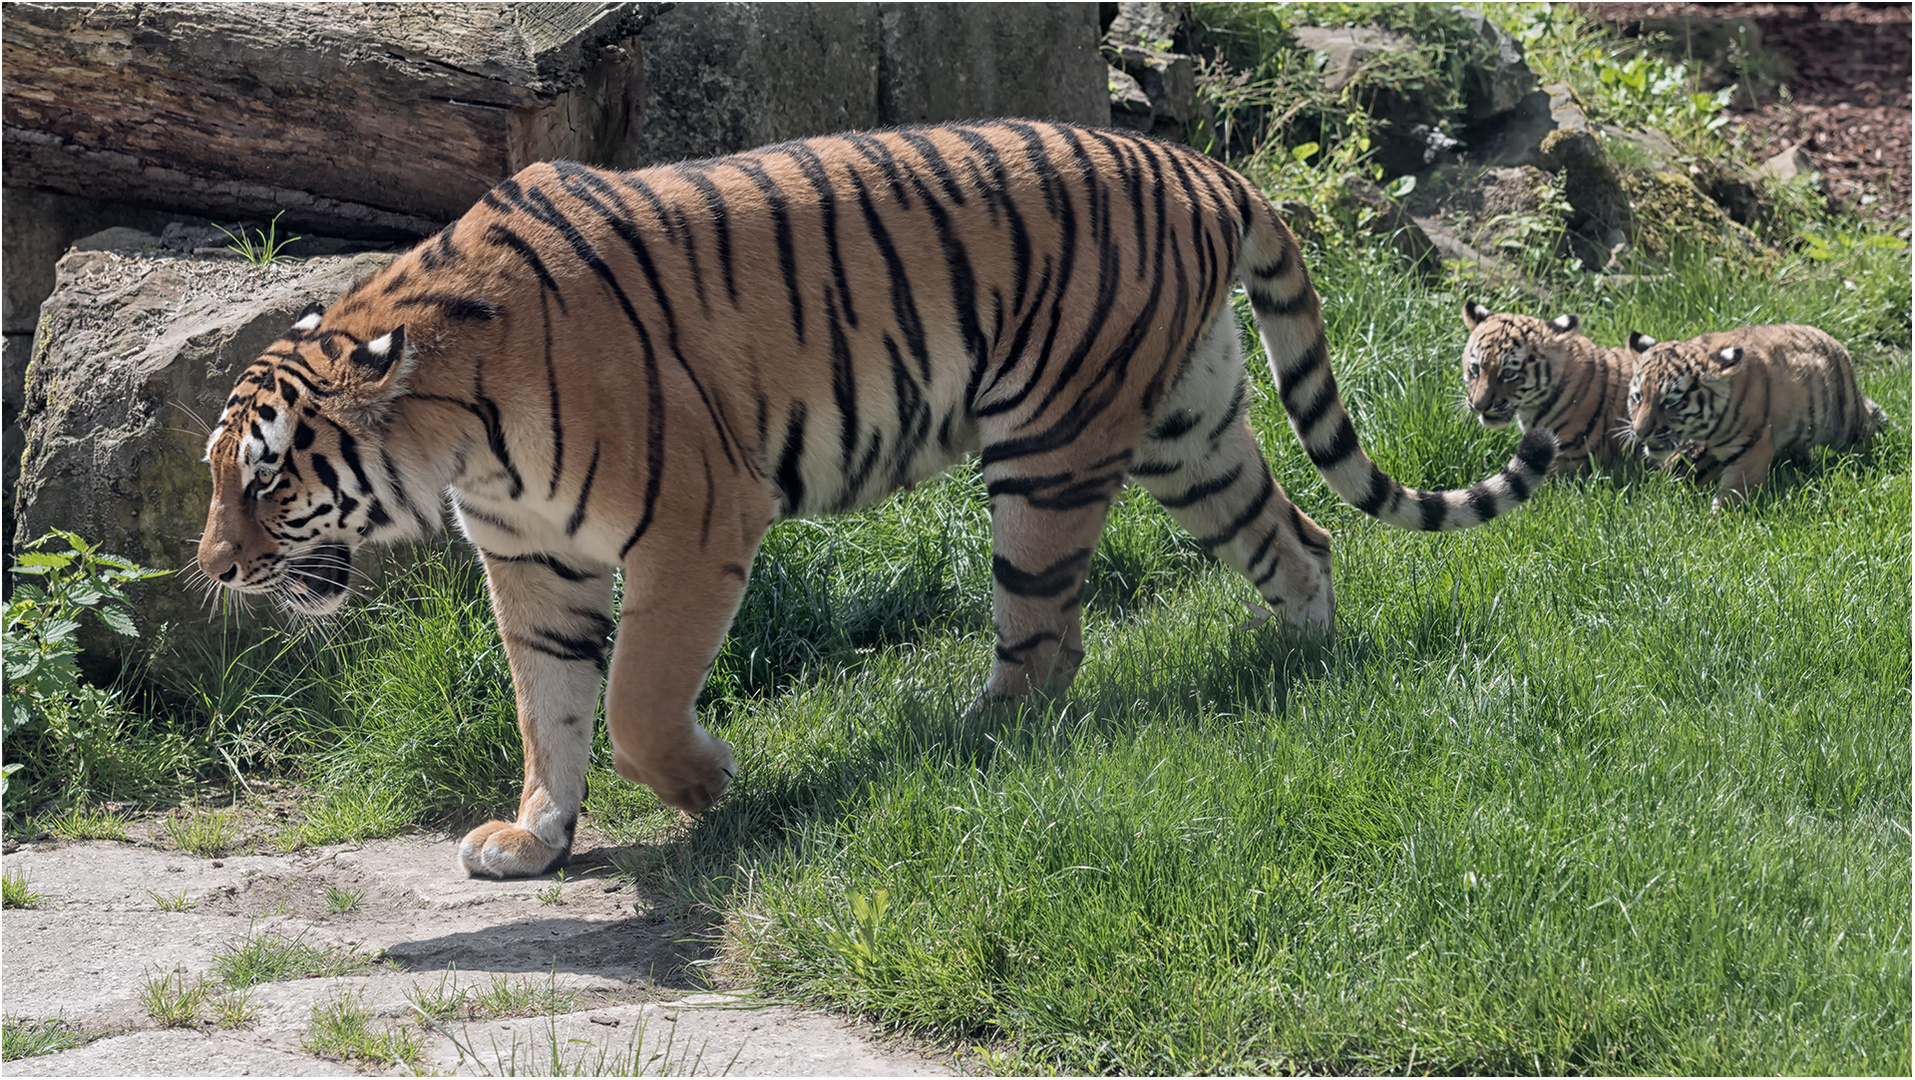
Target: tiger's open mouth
316, 578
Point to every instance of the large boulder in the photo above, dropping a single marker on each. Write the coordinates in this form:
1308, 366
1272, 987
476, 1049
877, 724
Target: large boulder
136, 353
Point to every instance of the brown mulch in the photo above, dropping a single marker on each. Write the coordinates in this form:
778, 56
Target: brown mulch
1847, 99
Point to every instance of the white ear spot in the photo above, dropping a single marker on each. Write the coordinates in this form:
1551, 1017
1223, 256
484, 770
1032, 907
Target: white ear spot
310, 322
1563, 324
380, 345
1730, 355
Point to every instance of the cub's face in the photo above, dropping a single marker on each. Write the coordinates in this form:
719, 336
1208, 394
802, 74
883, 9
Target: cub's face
1510, 362
1678, 393
296, 466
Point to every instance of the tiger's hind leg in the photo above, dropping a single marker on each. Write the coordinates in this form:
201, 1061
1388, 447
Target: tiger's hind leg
1202, 462
1047, 510
554, 617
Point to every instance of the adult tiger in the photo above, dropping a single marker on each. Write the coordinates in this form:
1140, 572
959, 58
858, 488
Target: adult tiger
1547, 376
1744, 396
646, 369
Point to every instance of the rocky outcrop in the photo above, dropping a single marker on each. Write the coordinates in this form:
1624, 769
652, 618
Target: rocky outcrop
389, 120
352, 119
136, 353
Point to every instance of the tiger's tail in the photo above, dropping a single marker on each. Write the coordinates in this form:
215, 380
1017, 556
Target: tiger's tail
1290, 322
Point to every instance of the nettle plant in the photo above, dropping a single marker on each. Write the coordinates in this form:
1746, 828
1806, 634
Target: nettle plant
54, 724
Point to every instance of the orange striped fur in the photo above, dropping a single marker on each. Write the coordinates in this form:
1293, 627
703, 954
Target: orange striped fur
646, 369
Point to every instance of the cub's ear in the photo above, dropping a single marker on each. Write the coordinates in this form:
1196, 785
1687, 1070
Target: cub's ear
1474, 313
1641, 343
308, 320
1724, 361
1564, 324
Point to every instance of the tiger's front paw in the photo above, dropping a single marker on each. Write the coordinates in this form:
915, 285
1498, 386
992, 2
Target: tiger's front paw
690, 777
499, 849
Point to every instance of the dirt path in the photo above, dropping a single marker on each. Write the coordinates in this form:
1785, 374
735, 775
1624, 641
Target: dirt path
627, 979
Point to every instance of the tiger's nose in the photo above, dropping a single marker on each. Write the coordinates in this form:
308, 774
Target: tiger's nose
219, 559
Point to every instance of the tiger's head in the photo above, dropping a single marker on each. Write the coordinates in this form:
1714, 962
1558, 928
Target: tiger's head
1679, 393
1511, 361
299, 478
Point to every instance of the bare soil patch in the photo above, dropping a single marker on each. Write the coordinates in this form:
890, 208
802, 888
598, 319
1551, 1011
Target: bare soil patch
1847, 104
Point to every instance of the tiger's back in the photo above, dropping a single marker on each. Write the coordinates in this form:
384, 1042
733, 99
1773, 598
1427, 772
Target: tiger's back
643, 370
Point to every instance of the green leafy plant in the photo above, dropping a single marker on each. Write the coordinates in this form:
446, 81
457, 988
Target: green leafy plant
61, 730
268, 248
340, 901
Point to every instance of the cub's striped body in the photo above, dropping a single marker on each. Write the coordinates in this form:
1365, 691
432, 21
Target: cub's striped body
646, 369
1745, 396
1547, 376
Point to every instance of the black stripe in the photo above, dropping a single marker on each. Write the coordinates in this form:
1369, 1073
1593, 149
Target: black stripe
1243, 519
1342, 445
781, 234
538, 558
790, 480
1050, 581
1198, 492
1014, 654
584, 493
720, 214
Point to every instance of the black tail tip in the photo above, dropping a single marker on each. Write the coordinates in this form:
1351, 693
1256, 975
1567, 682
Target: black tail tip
1537, 451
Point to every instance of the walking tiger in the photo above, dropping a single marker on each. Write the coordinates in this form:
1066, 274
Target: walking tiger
646, 369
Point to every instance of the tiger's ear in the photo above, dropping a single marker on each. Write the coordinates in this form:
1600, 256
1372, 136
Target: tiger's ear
1723, 362
1474, 313
1641, 343
379, 368
308, 320
1564, 324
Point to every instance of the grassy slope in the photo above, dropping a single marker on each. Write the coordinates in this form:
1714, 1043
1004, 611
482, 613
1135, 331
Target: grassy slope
1617, 785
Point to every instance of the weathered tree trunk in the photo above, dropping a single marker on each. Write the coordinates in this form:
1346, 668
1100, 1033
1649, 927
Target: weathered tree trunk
362, 120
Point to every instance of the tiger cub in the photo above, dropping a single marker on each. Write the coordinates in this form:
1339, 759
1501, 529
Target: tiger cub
643, 370
1546, 376
1745, 396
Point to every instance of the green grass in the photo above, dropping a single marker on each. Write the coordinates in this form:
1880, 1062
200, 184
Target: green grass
340, 901
343, 1028
501, 996
24, 1038
274, 957
1616, 785
173, 999
201, 831
15, 892
89, 822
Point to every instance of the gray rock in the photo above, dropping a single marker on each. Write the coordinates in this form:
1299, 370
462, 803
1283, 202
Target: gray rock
726, 77
1168, 82
1789, 165
134, 359
1603, 218
1391, 221
1501, 80
1347, 49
